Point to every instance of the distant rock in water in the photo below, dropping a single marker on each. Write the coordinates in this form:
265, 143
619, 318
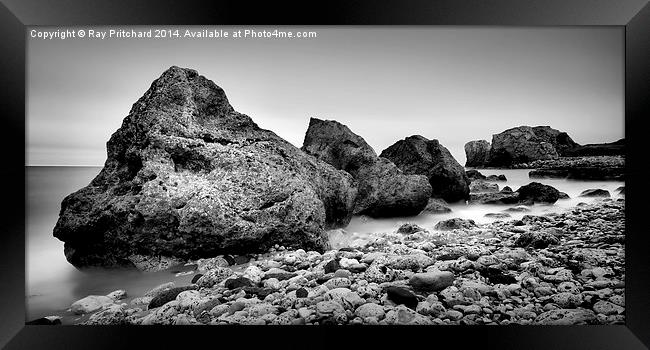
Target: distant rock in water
419, 155
188, 177
534, 192
595, 192
520, 145
598, 149
525, 144
383, 189
477, 153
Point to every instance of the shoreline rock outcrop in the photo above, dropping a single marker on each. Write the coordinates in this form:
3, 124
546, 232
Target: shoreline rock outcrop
383, 189
525, 144
188, 177
419, 155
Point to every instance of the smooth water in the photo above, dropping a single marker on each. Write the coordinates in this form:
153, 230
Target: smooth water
53, 284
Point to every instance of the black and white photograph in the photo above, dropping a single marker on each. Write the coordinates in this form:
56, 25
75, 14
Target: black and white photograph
325, 175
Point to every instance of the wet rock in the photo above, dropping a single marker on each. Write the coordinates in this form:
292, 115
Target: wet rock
196, 278
455, 224
383, 189
178, 184
497, 215
536, 192
495, 198
499, 177
418, 155
596, 192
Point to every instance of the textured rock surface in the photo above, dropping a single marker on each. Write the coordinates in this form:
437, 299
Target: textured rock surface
418, 155
477, 153
384, 190
187, 176
520, 145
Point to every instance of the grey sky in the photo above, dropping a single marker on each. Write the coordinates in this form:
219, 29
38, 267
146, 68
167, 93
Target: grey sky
455, 84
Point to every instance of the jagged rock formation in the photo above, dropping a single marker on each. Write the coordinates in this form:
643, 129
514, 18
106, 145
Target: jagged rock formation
419, 155
383, 189
187, 177
519, 145
477, 153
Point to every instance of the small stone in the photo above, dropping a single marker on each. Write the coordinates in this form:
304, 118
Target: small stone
238, 282
90, 303
117, 295
338, 282
302, 293
432, 281
400, 295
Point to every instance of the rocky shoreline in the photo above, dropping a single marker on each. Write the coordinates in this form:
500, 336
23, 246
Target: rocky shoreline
557, 269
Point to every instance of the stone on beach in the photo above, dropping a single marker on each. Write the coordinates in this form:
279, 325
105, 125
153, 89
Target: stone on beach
90, 303
432, 281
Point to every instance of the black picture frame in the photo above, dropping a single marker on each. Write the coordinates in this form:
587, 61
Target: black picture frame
15, 15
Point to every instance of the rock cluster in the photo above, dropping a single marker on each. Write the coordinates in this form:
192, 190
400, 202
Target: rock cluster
558, 269
187, 177
419, 155
383, 189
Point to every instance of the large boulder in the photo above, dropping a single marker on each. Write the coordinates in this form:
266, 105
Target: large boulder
536, 192
419, 155
188, 177
384, 190
477, 153
520, 145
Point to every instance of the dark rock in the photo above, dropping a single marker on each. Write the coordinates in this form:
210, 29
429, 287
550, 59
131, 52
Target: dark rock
477, 153
418, 155
188, 177
301, 293
455, 223
497, 215
238, 282
475, 175
536, 239
45, 321
281, 276
598, 149
596, 192
408, 229
332, 266
449, 256
403, 296
536, 192
258, 292
520, 145
506, 189
496, 178
383, 189
431, 281
561, 141
196, 277
621, 190
435, 206
168, 295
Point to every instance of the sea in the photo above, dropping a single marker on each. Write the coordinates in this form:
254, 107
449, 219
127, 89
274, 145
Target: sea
52, 284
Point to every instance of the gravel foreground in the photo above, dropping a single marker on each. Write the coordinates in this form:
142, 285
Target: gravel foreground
559, 269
